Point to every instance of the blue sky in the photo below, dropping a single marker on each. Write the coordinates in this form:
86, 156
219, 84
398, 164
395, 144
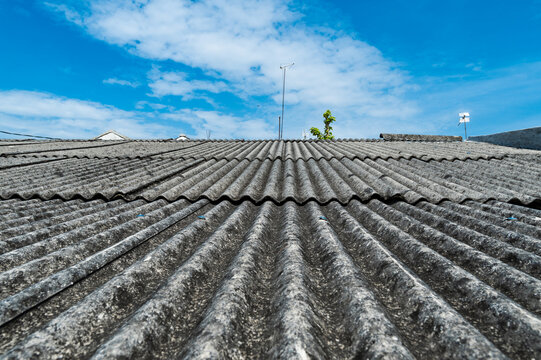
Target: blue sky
157, 68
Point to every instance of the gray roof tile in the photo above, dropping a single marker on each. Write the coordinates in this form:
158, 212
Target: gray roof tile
249, 280
515, 178
283, 249
263, 149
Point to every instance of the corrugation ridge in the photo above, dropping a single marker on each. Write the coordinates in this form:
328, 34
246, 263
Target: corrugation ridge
136, 178
432, 315
213, 180
241, 182
419, 171
481, 172
109, 304
383, 185
256, 185
79, 148
38, 292
79, 174
276, 200
373, 334
516, 284
343, 185
209, 154
421, 157
26, 214
216, 333
228, 180
525, 217
167, 305
36, 245
295, 323
126, 192
516, 327
5, 167
466, 182
19, 277
103, 185
477, 214
72, 210
355, 182
470, 225
60, 179
520, 209
327, 184
427, 187
305, 188
182, 182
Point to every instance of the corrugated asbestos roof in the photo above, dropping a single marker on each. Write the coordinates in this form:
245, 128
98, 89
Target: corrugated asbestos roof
509, 179
268, 249
262, 150
271, 170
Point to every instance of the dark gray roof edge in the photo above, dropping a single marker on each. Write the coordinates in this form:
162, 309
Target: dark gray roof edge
422, 157
397, 197
193, 140
414, 137
526, 138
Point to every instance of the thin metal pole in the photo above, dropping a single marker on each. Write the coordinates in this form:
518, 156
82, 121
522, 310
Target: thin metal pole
281, 123
465, 132
281, 126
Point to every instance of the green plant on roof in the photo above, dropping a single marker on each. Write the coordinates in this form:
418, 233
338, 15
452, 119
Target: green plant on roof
327, 133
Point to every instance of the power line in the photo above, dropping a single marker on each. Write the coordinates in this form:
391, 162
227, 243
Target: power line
34, 136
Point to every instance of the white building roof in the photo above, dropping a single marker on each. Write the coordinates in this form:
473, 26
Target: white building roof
111, 135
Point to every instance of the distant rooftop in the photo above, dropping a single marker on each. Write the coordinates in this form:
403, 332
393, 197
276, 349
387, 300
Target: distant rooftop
524, 139
111, 135
182, 137
413, 137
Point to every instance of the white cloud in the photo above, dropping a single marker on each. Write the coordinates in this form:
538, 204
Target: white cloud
70, 14
242, 44
177, 83
222, 126
475, 66
140, 105
115, 81
44, 114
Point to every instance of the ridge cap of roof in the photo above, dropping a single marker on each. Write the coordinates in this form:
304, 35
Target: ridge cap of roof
419, 137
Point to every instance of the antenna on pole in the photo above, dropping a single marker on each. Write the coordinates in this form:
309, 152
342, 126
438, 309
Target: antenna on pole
464, 118
281, 119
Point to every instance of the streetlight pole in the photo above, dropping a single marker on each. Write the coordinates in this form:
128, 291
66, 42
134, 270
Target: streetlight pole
464, 118
281, 119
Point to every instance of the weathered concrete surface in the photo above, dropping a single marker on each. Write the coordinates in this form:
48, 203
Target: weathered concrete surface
245, 281
270, 249
524, 139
